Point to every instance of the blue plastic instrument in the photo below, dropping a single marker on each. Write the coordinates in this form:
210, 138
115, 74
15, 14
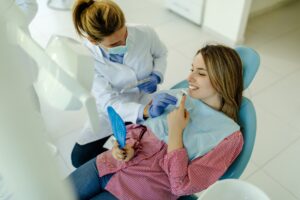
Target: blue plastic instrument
118, 126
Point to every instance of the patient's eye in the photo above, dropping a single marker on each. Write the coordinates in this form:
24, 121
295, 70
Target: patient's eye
199, 72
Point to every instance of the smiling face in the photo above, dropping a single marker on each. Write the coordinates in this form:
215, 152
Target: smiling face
200, 86
216, 79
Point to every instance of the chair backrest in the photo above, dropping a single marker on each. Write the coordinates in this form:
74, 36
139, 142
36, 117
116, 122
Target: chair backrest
247, 114
251, 61
247, 121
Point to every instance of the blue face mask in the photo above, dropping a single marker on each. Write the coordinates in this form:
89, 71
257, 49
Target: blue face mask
120, 50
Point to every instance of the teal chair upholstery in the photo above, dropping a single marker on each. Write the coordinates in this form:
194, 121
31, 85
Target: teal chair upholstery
247, 115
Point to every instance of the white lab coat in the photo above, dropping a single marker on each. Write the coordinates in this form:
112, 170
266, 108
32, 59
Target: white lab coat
145, 54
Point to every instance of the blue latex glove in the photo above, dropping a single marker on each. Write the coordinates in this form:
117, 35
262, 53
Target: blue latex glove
151, 85
160, 102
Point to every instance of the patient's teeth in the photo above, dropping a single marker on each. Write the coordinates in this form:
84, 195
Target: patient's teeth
193, 87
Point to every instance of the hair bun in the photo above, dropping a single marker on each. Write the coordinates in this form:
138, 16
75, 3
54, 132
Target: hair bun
90, 2
84, 4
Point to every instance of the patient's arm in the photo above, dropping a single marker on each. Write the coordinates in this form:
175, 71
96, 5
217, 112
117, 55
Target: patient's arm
188, 178
177, 121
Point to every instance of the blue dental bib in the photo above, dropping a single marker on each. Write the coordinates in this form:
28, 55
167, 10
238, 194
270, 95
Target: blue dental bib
206, 129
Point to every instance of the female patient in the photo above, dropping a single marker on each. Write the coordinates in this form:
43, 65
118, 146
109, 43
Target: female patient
182, 151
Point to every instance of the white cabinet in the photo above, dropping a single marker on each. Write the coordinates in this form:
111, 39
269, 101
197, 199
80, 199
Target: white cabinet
190, 9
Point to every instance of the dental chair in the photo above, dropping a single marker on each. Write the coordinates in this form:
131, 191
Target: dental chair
247, 116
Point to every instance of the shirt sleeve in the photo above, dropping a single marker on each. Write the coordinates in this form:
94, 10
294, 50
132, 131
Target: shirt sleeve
159, 52
106, 96
188, 178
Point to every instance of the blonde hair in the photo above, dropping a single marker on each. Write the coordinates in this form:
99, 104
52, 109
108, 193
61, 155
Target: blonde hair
224, 68
97, 18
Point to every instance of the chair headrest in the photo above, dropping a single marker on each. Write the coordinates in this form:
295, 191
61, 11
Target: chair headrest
251, 61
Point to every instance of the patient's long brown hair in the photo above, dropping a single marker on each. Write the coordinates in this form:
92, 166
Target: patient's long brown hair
224, 68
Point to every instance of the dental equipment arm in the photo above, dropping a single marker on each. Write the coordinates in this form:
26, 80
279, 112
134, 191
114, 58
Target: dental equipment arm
25, 162
51, 65
29, 7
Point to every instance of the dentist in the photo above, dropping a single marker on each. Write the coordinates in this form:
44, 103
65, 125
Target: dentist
130, 61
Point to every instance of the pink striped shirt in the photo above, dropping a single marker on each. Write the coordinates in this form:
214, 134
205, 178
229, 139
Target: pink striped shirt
155, 174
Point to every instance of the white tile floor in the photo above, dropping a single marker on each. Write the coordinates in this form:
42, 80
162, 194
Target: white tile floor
275, 162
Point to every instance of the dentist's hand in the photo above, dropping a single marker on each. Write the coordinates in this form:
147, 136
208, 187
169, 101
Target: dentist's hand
125, 154
151, 85
159, 104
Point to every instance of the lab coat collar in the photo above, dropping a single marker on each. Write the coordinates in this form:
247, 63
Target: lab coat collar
98, 53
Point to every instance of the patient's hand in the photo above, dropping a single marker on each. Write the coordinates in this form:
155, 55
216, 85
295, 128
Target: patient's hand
178, 118
177, 121
125, 154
